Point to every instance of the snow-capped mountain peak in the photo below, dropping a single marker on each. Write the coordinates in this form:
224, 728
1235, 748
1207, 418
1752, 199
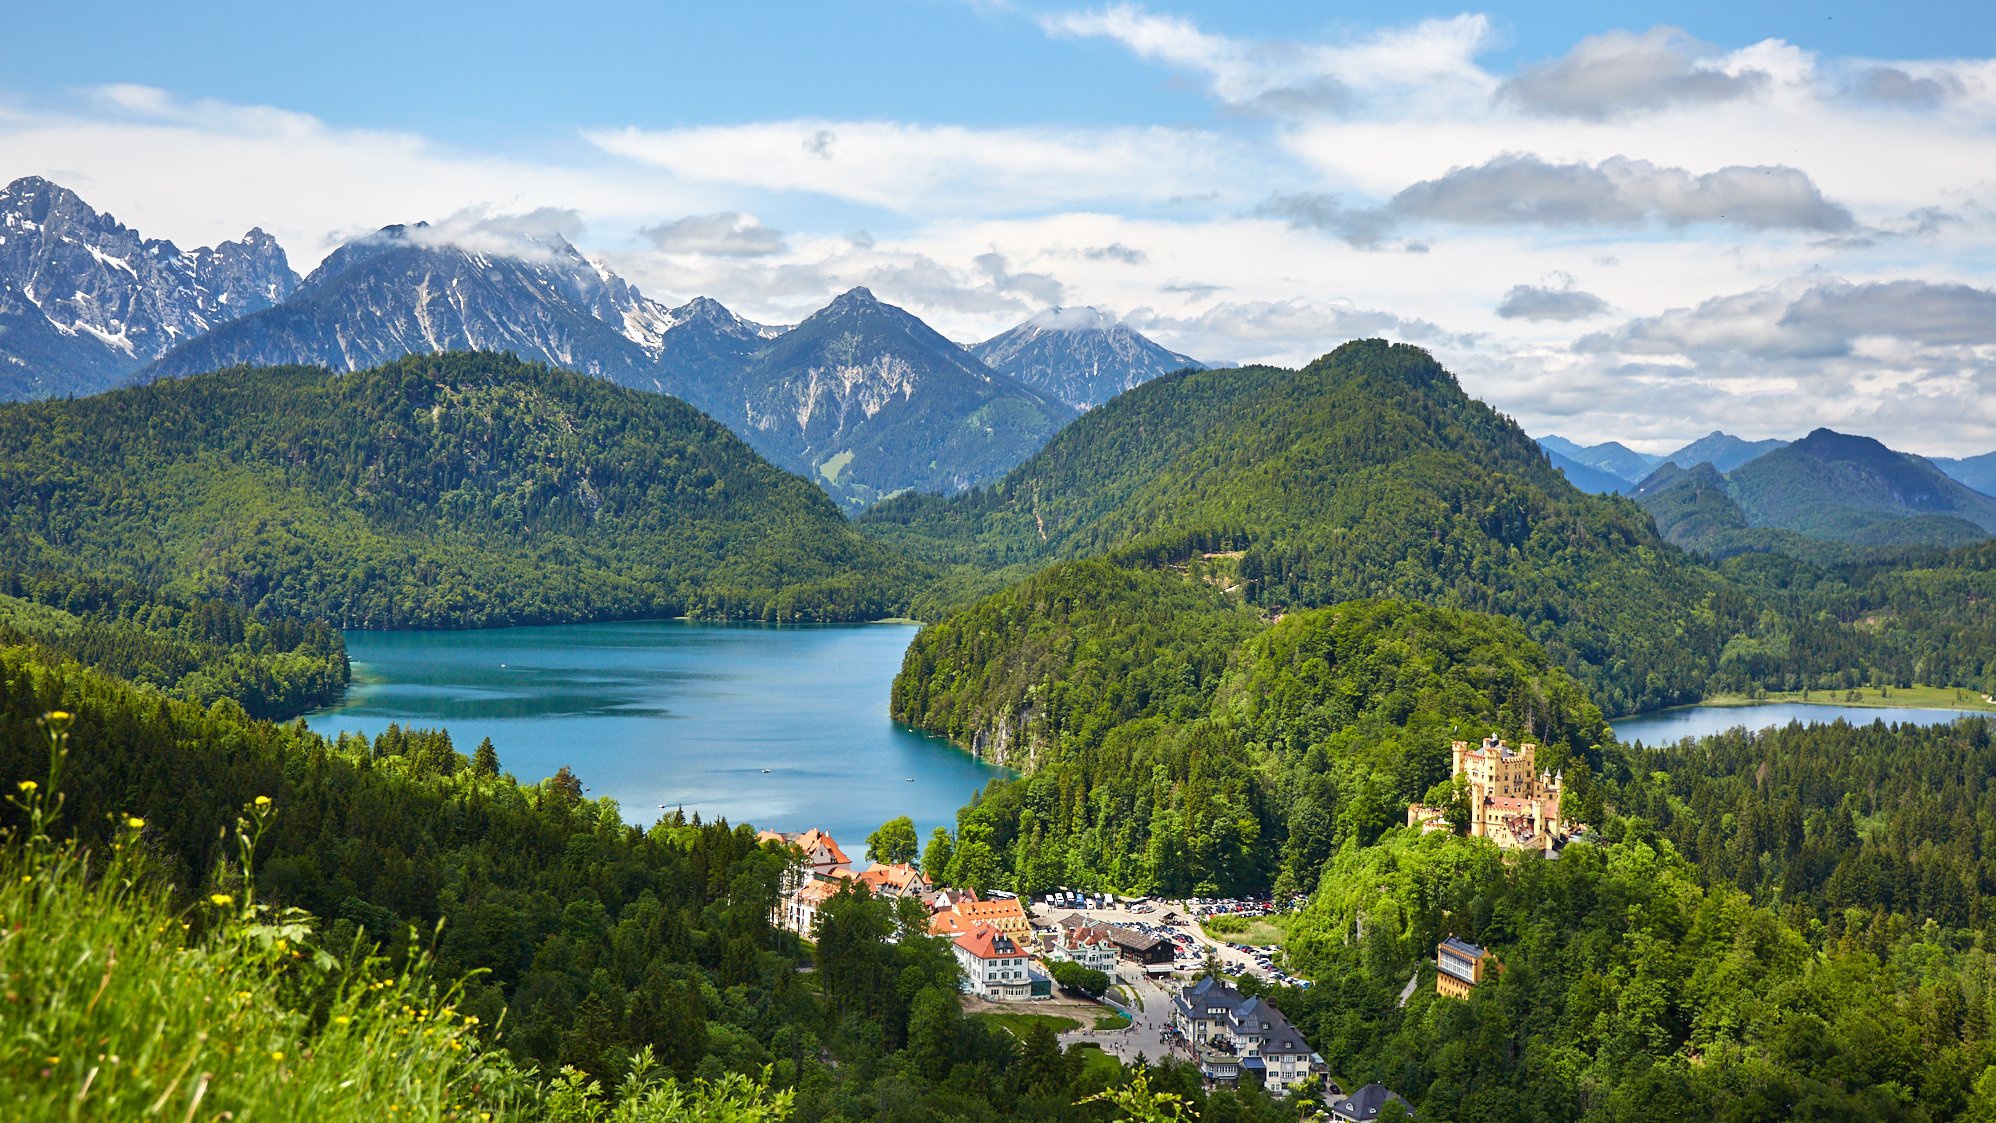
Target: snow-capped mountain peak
1083, 356
85, 300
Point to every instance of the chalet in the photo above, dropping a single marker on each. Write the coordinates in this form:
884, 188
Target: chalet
997, 968
1459, 966
1085, 943
1141, 947
1364, 1105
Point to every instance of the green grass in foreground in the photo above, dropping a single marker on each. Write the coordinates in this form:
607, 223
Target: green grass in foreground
1888, 697
117, 1003
126, 1008
1110, 1021
1262, 931
1018, 1024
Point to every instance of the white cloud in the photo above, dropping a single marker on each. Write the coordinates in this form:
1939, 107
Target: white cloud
920, 169
1287, 76
1621, 73
723, 233
305, 181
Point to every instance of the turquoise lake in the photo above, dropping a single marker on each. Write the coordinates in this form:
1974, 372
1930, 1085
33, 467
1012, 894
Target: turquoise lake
1665, 727
785, 728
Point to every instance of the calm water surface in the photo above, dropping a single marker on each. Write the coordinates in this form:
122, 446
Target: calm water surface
781, 727
1664, 727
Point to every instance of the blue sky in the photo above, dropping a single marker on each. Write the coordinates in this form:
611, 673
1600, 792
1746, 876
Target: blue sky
1639, 221
511, 73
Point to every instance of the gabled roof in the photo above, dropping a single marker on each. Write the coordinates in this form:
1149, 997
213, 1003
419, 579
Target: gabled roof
814, 838
987, 942
1366, 1102
948, 923
817, 892
900, 876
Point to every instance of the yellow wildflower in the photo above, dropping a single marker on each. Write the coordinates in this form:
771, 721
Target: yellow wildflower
263, 801
221, 900
57, 715
277, 1054
134, 822
341, 1019
27, 785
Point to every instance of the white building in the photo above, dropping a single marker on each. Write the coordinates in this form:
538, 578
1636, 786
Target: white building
993, 965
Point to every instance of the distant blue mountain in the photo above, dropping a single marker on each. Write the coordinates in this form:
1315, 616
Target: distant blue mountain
1612, 457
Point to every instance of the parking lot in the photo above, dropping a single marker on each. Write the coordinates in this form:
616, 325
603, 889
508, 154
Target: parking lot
1176, 921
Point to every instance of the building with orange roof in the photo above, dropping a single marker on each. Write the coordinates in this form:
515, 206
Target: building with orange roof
823, 867
1007, 914
897, 880
996, 967
800, 909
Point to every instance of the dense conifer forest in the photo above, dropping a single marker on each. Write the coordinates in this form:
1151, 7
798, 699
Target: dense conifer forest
1225, 663
454, 490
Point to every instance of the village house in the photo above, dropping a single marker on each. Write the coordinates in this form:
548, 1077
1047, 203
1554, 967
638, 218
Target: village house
996, 967
1006, 914
897, 880
798, 911
1459, 966
822, 856
1510, 802
1079, 940
1234, 1037
812, 882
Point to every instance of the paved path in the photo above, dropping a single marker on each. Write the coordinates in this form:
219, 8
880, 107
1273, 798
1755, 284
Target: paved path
1145, 1037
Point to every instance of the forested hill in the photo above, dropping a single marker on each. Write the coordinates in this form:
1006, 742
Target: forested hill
1368, 472
435, 491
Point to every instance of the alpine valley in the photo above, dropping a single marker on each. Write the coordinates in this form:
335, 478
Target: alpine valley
861, 397
1230, 633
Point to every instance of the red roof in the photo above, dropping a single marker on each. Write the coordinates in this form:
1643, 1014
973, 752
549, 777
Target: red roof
986, 942
900, 875
814, 838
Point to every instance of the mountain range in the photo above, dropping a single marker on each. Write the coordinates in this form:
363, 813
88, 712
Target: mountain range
86, 302
1828, 486
1614, 468
1082, 356
862, 397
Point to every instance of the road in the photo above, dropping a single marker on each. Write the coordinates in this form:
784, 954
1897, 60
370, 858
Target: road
1145, 1037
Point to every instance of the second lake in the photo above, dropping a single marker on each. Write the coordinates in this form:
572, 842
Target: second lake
785, 728
1667, 727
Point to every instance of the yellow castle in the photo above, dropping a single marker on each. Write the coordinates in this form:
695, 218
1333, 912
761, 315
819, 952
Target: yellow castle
1510, 801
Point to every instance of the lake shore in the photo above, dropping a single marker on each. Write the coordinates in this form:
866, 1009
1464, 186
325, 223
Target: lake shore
1891, 698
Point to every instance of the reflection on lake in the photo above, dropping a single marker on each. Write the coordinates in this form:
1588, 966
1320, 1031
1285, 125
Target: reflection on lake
785, 728
1664, 727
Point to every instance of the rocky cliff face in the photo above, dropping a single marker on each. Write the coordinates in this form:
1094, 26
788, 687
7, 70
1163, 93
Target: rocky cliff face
85, 301
1079, 355
871, 400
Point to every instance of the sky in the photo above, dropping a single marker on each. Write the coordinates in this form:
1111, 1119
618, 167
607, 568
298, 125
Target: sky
1637, 221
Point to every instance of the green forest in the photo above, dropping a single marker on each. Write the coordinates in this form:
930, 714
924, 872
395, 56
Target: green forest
1224, 626
350, 927
199, 650
454, 490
